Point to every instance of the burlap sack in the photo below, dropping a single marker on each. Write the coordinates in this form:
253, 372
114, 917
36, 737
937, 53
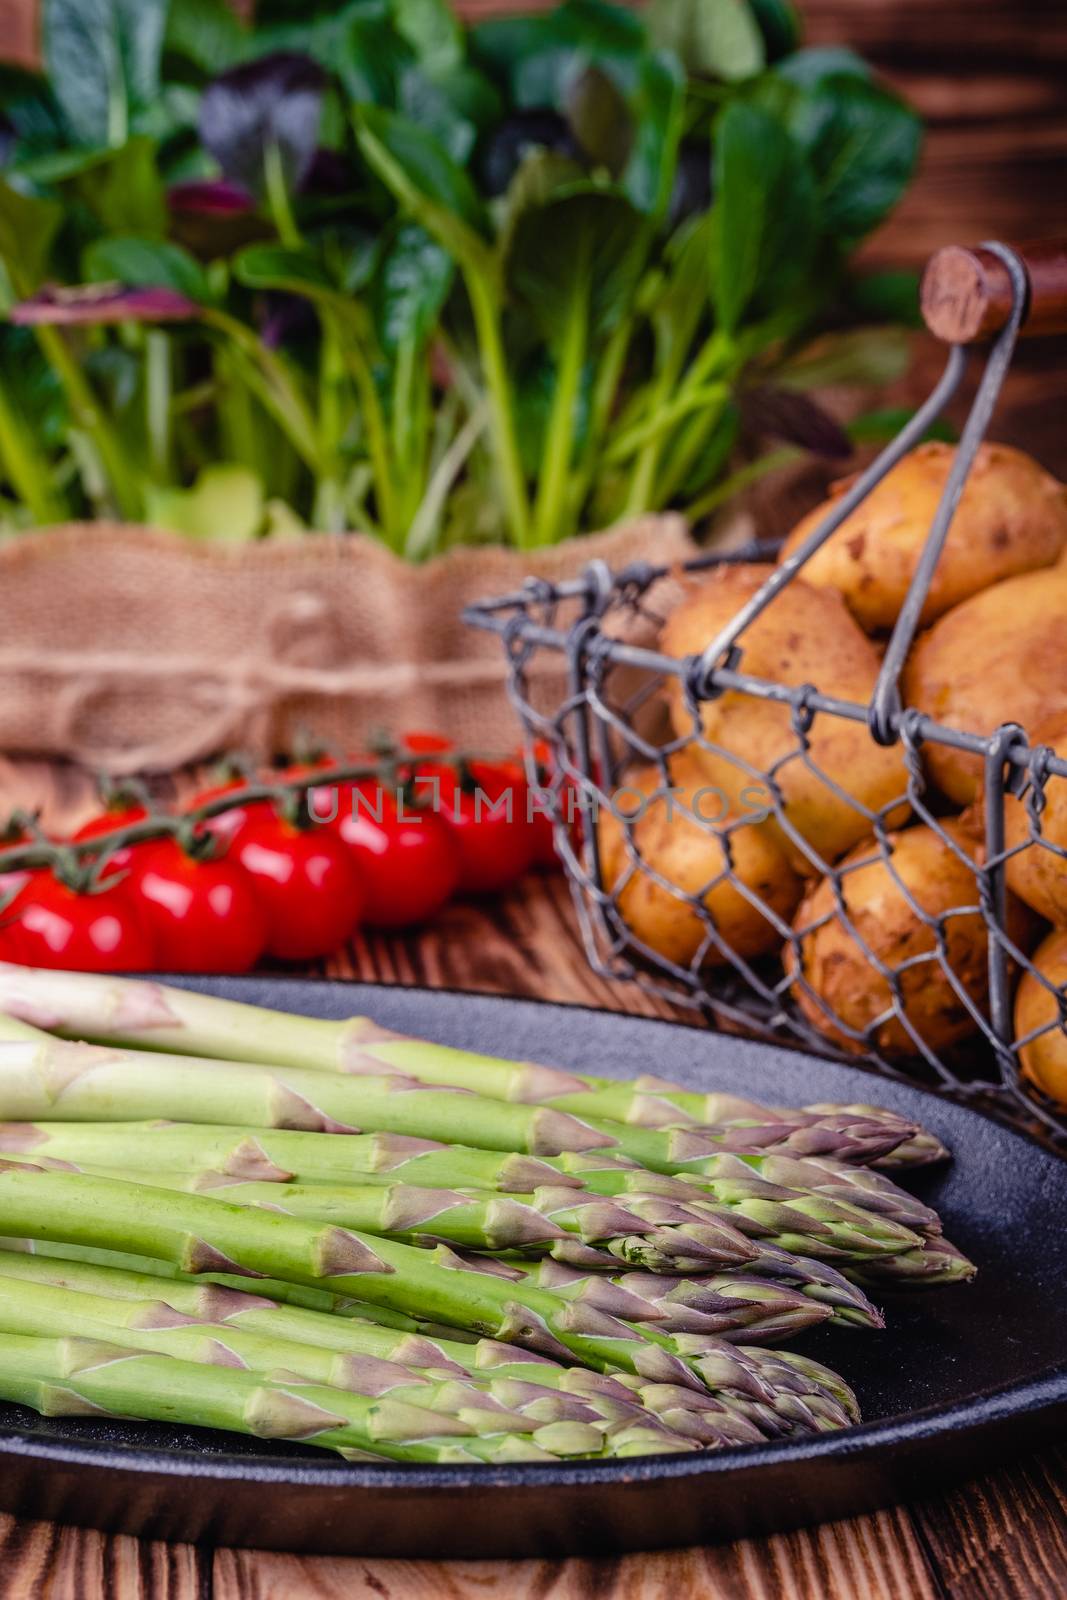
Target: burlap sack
130, 649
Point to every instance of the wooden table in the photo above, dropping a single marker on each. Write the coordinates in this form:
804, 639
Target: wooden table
1003, 1535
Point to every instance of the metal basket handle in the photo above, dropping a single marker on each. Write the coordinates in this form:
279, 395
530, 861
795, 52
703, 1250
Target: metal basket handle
968, 294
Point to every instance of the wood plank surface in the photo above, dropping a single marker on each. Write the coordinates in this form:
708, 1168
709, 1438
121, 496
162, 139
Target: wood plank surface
1002, 1537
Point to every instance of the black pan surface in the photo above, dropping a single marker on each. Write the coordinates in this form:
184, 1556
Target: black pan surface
961, 1379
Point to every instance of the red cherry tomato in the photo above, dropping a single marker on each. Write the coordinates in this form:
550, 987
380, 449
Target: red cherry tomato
108, 822
228, 824
487, 813
545, 854
205, 915
305, 882
407, 861
99, 932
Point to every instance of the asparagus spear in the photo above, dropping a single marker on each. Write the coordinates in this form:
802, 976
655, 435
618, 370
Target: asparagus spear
492, 1403
661, 1234
935, 1263
297, 1295
284, 1156
729, 1190
818, 1280
79, 1082
725, 1305
392, 1360
128, 1011
70, 1377
205, 1235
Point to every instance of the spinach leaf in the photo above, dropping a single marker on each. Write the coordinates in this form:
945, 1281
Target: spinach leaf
711, 38
862, 142
28, 227
144, 264
766, 212
410, 288
432, 188
432, 31
657, 107
582, 241
102, 59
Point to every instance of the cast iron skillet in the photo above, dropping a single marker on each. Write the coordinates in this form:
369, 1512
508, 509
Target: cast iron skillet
962, 1378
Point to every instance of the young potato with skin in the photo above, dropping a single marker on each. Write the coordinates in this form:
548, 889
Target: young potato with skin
689, 853
999, 657
1011, 518
835, 964
1044, 1059
1036, 874
806, 635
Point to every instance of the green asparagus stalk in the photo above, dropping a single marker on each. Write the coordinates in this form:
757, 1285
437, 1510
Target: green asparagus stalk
724, 1305
820, 1281
935, 1263
391, 1360
152, 1015
199, 1234
816, 1279
490, 1405
283, 1156
662, 1234
70, 1376
79, 1082
729, 1191
297, 1295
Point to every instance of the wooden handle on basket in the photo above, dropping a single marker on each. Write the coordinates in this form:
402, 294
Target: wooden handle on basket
966, 293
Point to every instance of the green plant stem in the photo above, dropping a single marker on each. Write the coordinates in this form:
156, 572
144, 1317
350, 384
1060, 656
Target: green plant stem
86, 411
426, 521
743, 478
485, 307
329, 510
376, 430
26, 467
266, 374
157, 352
551, 509
278, 198
655, 426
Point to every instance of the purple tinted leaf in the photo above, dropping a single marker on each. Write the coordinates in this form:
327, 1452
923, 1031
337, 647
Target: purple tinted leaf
785, 414
97, 303
209, 197
274, 101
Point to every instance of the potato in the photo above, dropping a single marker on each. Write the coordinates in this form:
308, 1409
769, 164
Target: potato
851, 986
1036, 874
1044, 1059
1012, 518
690, 853
999, 657
805, 636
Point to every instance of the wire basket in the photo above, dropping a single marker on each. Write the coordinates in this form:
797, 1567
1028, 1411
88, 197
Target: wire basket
611, 755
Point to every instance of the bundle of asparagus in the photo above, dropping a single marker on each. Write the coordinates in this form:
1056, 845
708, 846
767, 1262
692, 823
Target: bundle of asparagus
455, 1258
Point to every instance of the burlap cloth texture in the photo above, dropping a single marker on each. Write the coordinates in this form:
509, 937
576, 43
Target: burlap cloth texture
132, 649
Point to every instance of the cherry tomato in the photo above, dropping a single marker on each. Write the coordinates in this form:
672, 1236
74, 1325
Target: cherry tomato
544, 853
108, 822
228, 824
205, 915
407, 861
486, 812
92, 932
305, 881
